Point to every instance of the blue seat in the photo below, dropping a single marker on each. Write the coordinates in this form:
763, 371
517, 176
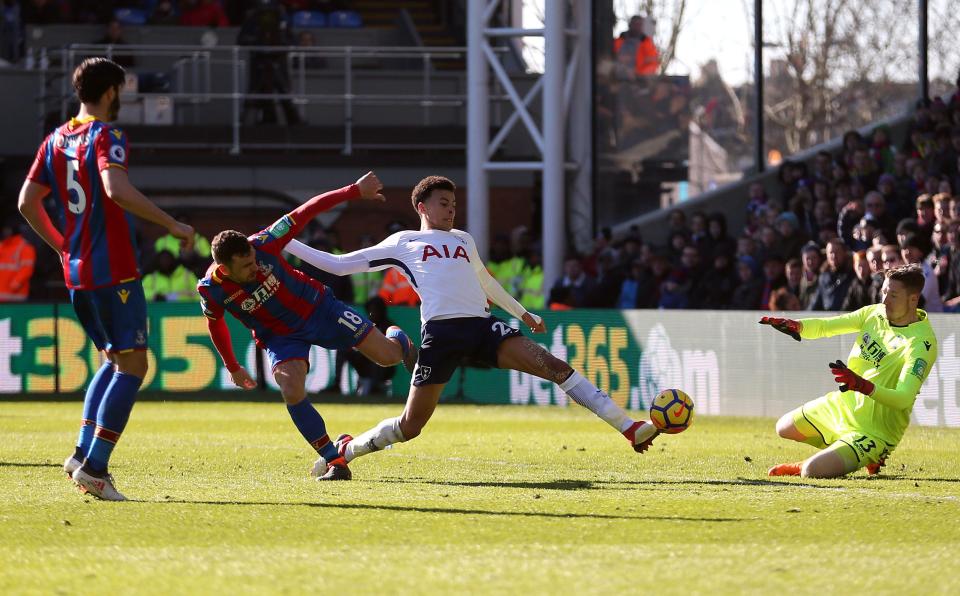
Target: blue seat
130, 16
345, 19
309, 19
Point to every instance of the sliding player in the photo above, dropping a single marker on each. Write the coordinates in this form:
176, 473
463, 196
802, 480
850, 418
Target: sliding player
443, 266
84, 164
288, 311
862, 423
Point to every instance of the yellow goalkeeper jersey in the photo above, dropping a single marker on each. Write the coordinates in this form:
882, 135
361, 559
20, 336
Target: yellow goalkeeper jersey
896, 359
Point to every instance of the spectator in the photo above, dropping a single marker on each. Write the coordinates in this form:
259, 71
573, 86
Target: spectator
266, 25
881, 151
40, 12
719, 283
835, 280
875, 260
531, 288
926, 215
912, 251
17, 258
812, 260
699, 237
794, 275
769, 243
576, 280
674, 291
875, 205
170, 281
693, 273
782, 299
366, 284
197, 259
941, 206
164, 13
202, 13
677, 242
635, 286
747, 294
113, 36
773, 278
951, 294
719, 240
859, 293
607, 283
791, 239
634, 49
677, 221
396, 289
823, 167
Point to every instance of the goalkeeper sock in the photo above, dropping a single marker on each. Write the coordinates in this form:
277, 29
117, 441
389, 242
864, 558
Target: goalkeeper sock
310, 424
112, 418
592, 398
91, 404
381, 436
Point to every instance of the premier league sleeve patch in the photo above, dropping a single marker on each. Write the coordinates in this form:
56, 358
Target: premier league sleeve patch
919, 368
281, 227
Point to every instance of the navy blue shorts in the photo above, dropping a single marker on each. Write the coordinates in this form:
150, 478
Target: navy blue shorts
114, 317
333, 325
445, 344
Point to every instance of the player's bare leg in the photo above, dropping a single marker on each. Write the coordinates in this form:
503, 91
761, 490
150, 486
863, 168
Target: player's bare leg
421, 403
524, 355
291, 376
390, 349
836, 460
794, 426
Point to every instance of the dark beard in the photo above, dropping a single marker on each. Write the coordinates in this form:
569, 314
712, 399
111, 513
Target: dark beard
114, 110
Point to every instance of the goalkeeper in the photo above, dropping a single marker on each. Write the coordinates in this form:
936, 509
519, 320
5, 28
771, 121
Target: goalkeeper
862, 423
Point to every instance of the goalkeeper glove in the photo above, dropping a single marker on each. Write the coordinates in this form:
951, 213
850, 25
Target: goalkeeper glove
788, 326
849, 380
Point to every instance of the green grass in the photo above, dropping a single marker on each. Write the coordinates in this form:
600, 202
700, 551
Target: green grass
489, 499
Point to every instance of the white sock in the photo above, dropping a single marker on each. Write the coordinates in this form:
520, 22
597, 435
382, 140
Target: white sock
592, 398
381, 436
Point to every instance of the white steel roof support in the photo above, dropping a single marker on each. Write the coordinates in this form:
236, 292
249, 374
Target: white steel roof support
563, 87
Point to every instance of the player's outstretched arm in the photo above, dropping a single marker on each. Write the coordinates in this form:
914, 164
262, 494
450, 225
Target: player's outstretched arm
499, 296
358, 261
366, 187
30, 204
851, 322
118, 187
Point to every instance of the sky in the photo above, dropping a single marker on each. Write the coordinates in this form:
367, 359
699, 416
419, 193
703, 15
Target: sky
723, 29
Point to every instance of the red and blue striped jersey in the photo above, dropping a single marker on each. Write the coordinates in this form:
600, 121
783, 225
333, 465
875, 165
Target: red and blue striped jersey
99, 247
278, 302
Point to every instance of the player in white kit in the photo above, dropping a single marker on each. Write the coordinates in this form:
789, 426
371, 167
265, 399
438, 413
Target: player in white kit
443, 266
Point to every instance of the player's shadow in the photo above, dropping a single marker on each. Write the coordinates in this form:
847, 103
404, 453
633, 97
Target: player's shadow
453, 510
883, 477
550, 485
20, 464
603, 484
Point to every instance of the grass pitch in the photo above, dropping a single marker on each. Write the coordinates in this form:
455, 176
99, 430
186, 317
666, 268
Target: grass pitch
489, 499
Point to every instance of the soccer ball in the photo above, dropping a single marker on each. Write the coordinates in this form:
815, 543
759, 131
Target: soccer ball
671, 411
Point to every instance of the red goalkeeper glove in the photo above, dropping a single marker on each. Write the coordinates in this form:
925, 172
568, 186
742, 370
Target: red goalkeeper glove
788, 326
849, 380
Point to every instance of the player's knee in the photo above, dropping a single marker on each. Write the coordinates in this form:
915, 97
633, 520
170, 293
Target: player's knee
815, 469
133, 363
293, 395
785, 427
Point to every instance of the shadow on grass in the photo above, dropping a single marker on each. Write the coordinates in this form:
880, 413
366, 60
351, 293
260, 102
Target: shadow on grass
21, 464
914, 479
449, 510
602, 484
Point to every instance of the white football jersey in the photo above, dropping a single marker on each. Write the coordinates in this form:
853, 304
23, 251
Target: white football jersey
444, 269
